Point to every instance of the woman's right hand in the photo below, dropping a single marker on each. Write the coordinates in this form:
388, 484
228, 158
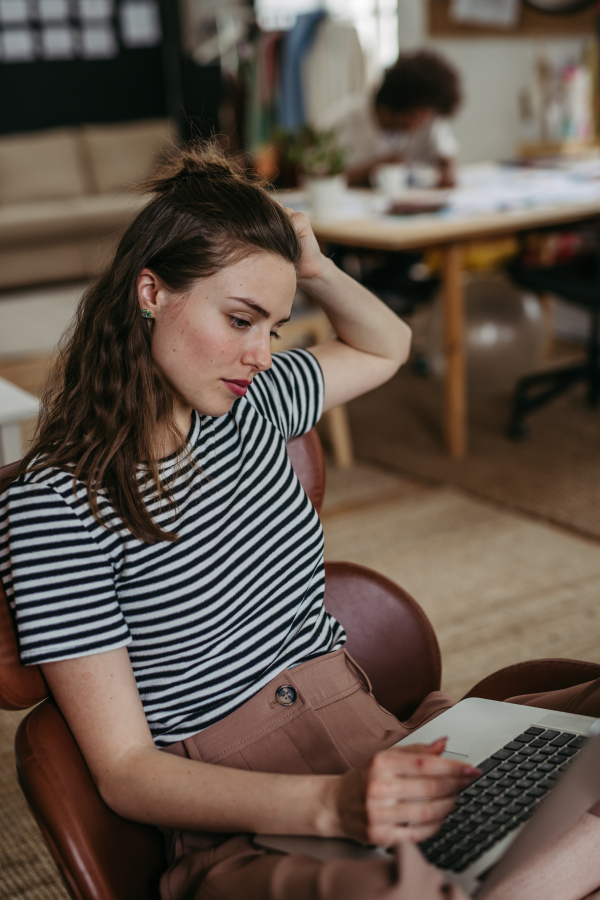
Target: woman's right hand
401, 794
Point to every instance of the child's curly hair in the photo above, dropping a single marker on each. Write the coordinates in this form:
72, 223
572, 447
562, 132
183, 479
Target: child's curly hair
421, 80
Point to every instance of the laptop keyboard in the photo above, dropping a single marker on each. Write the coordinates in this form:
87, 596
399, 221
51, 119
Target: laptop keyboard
514, 780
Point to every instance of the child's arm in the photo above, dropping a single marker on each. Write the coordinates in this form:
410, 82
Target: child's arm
360, 176
446, 172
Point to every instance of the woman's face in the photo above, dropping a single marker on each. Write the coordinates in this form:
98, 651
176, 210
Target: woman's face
211, 342
410, 120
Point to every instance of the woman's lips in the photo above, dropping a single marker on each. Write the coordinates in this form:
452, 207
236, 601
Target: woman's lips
237, 386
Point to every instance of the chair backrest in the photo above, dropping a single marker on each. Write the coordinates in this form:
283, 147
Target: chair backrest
102, 856
389, 635
20, 686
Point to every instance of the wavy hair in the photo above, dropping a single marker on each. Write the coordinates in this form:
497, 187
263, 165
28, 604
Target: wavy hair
106, 398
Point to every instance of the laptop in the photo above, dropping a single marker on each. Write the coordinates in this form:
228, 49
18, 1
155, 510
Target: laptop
541, 772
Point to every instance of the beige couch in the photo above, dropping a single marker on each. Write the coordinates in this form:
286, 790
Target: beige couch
64, 198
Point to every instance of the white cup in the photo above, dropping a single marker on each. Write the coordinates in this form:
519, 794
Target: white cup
324, 196
390, 178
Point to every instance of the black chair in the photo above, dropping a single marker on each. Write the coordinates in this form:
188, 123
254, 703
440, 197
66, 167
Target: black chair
576, 282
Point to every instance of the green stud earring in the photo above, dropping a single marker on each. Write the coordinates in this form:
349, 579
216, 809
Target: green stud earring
146, 314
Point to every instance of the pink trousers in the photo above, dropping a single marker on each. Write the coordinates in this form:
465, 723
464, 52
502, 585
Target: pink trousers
333, 725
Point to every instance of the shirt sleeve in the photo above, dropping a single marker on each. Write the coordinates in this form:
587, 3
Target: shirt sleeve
57, 579
443, 141
290, 393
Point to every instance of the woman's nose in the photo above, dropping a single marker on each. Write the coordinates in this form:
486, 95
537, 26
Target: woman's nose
258, 354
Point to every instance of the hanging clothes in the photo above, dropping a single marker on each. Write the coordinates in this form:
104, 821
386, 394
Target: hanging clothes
296, 44
262, 79
334, 74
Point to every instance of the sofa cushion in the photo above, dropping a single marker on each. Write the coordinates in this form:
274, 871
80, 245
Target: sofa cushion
40, 166
95, 214
122, 155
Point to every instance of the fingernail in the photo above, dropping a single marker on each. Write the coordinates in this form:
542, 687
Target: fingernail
471, 771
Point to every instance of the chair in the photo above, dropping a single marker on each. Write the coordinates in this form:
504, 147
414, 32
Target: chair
579, 283
103, 856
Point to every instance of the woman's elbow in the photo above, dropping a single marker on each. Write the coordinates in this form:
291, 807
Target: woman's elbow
111, 789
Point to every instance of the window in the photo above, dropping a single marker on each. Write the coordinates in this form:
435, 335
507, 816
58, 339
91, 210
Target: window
376, 22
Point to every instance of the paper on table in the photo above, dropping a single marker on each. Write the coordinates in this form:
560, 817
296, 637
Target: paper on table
482, 189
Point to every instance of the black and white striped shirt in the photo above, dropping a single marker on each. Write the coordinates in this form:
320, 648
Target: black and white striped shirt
209, 619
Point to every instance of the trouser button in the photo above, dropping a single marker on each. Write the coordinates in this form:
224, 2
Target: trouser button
286, 695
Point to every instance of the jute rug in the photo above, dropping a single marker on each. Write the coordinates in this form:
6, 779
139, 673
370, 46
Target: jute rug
554, 474
26, 870
498, 586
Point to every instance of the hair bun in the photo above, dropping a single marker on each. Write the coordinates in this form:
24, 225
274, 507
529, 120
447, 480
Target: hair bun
200, 159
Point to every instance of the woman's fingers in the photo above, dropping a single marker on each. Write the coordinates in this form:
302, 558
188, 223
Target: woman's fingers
408, 794
311, 263
406, 812
388, 836
394, 788
402, 794
402, 762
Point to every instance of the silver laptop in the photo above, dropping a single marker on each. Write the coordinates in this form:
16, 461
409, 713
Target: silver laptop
541, 772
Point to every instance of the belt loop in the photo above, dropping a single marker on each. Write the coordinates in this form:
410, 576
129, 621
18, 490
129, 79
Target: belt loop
192, 749
362, 675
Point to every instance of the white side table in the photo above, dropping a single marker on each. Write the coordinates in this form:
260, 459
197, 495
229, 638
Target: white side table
16, 406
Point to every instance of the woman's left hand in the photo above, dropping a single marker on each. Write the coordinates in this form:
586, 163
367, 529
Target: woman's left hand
311, 264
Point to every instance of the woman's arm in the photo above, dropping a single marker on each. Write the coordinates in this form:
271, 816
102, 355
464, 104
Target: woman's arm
99, 698
371, 342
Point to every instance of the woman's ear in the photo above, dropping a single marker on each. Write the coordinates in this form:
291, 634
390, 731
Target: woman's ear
149, 287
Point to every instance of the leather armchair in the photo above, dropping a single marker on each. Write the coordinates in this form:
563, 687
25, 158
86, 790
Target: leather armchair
103, 856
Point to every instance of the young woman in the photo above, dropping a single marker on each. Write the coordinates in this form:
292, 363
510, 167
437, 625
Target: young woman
165, 566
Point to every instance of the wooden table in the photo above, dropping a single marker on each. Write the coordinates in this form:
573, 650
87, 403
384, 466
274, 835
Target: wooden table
451, 235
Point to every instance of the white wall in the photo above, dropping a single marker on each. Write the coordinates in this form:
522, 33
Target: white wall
494, 70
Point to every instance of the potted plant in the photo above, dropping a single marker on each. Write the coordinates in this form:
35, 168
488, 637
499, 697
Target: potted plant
321, 159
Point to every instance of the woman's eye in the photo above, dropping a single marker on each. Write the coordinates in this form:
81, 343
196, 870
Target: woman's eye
275, 335
238, 323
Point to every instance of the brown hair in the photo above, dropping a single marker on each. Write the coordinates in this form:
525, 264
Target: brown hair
421, 80
102, 405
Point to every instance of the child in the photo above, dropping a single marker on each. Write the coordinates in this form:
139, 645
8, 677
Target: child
406, 121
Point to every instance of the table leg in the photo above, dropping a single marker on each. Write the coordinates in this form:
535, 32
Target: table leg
10, 444
455, 400
340, 437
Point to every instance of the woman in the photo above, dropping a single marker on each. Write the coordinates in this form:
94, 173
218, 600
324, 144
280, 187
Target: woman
166, 568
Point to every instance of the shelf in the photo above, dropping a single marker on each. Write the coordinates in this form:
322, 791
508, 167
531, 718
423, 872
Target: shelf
531, 24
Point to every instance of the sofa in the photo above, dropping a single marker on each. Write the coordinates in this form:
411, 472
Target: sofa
65, 196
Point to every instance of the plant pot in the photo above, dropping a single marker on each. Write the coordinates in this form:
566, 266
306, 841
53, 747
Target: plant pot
324, 195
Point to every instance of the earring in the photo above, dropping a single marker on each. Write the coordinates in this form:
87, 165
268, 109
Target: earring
146, 314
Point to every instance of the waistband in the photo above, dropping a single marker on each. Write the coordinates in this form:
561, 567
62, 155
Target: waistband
314, 684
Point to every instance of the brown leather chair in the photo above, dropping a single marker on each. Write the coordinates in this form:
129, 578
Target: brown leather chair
102, 856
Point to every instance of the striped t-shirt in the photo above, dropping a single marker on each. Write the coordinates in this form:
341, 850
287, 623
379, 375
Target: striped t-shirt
209, 619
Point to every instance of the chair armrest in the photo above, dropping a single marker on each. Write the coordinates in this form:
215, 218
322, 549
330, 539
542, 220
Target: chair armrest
533, 677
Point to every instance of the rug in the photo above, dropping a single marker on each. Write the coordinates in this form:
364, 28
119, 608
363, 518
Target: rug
553, 474
498, 586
